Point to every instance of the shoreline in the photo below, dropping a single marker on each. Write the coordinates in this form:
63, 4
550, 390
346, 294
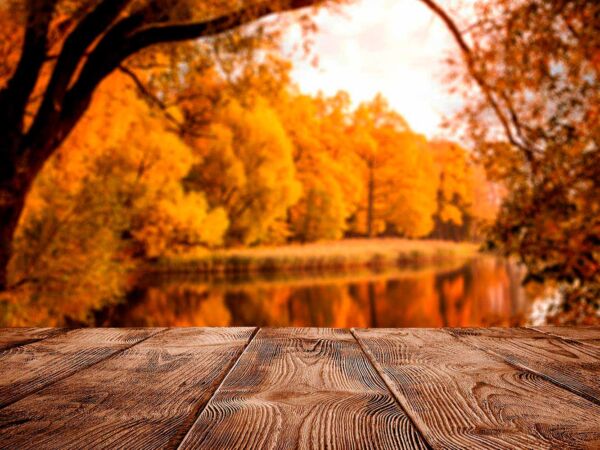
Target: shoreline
343, 255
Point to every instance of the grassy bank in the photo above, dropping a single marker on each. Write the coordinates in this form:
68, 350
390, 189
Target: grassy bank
336, 255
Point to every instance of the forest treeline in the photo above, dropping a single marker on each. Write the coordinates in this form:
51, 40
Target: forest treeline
242, 162
184, 148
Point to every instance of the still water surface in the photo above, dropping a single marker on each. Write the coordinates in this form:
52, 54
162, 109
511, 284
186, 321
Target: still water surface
484, 291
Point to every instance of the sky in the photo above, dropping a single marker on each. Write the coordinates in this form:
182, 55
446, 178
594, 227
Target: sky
396, 47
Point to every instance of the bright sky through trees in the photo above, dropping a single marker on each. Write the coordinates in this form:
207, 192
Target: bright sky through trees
396, 47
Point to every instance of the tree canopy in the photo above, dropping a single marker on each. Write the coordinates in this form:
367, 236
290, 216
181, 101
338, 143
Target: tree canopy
57, 52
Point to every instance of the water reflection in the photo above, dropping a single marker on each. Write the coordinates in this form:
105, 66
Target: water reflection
482, 292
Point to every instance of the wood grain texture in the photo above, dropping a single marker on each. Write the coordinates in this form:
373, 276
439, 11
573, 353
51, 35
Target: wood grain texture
26, 369
303, 388
569, 364
15, 337
461, 397
145, 397
585, 335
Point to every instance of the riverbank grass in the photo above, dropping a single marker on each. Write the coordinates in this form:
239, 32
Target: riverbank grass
332, 255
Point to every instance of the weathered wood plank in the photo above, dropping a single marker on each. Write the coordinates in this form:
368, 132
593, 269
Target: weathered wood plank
145, 397
461, 397
303, 388
26, 369
585, 335
570, 364
15, 337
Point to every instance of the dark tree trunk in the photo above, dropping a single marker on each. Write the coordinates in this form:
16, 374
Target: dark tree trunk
75, 75
14, 184
371, 201
11, 206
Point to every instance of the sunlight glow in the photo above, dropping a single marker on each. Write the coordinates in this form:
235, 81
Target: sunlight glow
396, 47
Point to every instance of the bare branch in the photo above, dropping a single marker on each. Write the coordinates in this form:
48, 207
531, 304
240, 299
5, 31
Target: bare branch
149, 96
487, 90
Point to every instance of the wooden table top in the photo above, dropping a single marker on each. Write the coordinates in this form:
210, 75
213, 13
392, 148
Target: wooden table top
229, 388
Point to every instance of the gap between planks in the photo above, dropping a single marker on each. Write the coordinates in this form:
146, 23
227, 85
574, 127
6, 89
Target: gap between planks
22, 339
389, 387
303, 388
566, 338
566, 384
232, 366
68, 375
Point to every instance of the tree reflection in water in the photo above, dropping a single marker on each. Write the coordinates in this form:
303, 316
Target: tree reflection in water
483, 292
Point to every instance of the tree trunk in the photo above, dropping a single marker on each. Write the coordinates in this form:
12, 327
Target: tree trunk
370, 206
12, 200
16, 177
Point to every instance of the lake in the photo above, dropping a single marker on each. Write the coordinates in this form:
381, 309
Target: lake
482, 291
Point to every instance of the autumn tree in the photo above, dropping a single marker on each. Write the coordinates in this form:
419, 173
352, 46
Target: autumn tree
455, 197
530, 74
328, 169
398, 172
467, 200
66, 48
247, 168
211, 102
487, 198
413, 199
95, 209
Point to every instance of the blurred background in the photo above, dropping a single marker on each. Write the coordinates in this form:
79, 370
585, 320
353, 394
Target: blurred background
390, 163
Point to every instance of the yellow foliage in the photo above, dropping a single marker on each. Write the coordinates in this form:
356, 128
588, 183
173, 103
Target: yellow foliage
467, 201
451, 213
330, 175
117, 174
247, 168
398, 172
414, 187
179, 223
456, 194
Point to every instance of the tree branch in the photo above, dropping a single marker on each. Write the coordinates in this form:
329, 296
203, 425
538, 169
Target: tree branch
109, 55
128, 36
14, 97
52, 126
157, 33
73, 50
149, 96
487, 91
